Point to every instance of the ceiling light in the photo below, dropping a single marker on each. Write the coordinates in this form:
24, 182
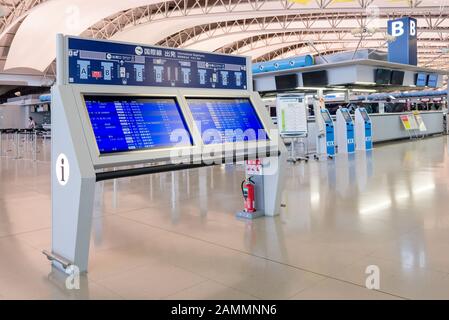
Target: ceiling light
311, 88
365, 83
364, 31
363, 90
390, 38
356, 31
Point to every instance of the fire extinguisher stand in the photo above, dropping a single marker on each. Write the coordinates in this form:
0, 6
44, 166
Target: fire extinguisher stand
254, 175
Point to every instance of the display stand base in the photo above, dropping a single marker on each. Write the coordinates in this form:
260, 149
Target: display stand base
297, 159
250, 215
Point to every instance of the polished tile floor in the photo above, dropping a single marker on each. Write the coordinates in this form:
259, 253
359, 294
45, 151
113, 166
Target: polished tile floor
175, 235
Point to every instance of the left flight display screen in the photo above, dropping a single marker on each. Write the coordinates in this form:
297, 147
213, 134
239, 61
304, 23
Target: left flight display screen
123, 123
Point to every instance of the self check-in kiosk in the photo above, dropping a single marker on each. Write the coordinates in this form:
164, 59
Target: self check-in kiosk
363, 130
330, 134
345, 131
118, 104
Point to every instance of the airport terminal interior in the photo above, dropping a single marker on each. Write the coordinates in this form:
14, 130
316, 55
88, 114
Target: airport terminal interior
224, 150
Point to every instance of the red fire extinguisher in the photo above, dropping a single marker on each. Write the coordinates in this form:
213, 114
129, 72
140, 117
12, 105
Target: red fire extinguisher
248, 191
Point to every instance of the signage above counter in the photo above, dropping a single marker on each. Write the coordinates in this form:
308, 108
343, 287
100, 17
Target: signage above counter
364, 73
404, 48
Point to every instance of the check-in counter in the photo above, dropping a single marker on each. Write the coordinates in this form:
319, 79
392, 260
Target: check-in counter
388, 126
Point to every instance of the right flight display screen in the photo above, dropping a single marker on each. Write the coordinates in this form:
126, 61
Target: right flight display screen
221, 120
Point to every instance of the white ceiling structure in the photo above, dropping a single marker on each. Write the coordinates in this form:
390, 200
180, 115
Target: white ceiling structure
262, 29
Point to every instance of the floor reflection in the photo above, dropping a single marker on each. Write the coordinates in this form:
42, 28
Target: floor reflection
176, 234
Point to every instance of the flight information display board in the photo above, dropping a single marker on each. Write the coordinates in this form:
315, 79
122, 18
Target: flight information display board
123, 123
226, 120
112, 63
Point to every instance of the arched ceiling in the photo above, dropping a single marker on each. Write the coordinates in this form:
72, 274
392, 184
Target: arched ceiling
262, 29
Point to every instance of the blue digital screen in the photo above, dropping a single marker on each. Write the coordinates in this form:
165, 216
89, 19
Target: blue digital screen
364, 114
112, 63
226, 120
346, 116
326, 116
432, 80
123, 123
421, 79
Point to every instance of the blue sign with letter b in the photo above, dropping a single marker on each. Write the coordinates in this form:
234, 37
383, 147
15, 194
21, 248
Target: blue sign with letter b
404, 49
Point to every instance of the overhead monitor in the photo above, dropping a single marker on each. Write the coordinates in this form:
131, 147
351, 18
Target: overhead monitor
421, 79
221, 120
382, 76
286, 81
326, 116
314, 78
432, 80
397, 77
346, 116
128, 123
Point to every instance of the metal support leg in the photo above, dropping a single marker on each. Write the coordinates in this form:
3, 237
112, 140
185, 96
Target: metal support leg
305, 147
8, 138
35, 146
17, 145
292, 157
72, 210
23, 140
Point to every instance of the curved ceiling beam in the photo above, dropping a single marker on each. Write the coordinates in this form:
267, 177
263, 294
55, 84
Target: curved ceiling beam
76, 16
206, 12
17, 11
217, 43
210, 35
377, 40
235, 41
170, 26
173, 25
259, 53
79, 15
59, 16
285, 7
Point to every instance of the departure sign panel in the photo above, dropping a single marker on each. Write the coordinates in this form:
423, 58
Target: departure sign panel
226, 120
123, 124
112, 63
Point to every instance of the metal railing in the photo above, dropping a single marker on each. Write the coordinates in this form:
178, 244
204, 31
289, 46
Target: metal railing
21, 143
